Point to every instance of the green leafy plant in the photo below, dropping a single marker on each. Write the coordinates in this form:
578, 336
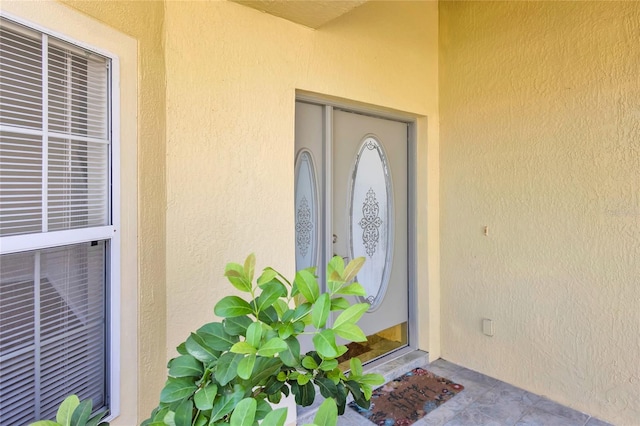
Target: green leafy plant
72, 412
227, 372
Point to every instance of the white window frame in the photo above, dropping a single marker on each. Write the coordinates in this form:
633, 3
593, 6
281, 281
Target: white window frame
29, 242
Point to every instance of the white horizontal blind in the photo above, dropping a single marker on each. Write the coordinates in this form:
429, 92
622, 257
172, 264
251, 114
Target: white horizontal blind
55, 178
52, 330
54, 168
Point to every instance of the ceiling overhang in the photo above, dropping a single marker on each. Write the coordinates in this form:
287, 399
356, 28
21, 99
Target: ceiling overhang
310, 13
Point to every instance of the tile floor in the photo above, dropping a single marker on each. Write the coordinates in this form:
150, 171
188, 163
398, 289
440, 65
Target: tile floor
485, 401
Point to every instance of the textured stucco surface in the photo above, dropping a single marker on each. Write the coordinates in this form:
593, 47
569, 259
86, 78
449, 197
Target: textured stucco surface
143, 20
232, 73
540, 124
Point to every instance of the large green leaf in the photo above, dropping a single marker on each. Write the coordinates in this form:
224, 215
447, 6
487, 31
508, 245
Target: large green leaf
301, 311
254, 334
327, 413
328, 364
44, 423
270, 293
304, 394
325, 343
371, 379
350, 332
236, 276
182, 349
263, 408
307, 285
201, 420
243, 348
281, 307
237, 326
169, 418
275, 418
96, 419
185, 366
245, 366
268, 315
356, 367
159, 413
197, 347
267, 276
285, 330
215, 336
272, 347
291, 356
342, 349
250, 266
367, 391
82, 413
184, 413
273, 385
327, 388
244, 413
265, 368
227, 368
321, 309
352, 269
225, 403
232, 306
299, 326
177, 389
339, 304
204, 397
358, 396
303, 379
341, 399
336, 267
354, 289
66, 409
309, 363
351, 315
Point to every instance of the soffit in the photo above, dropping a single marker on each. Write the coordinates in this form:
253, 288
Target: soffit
312, 14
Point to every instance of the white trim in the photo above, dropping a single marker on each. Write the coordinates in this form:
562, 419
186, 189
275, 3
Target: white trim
114, 261
36, 132
28, 242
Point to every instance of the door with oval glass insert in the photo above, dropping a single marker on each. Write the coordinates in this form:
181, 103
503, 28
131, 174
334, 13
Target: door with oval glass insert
369, 219
351, 200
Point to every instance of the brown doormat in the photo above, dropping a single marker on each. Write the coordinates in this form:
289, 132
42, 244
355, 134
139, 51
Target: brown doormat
408, 398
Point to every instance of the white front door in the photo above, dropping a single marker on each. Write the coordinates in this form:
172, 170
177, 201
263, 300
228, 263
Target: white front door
370, 211
351, 200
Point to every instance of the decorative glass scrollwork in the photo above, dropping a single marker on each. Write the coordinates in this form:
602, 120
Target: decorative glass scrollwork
306, 211
371, 219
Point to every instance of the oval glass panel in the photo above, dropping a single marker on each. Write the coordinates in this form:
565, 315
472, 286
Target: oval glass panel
306, 213
371, 221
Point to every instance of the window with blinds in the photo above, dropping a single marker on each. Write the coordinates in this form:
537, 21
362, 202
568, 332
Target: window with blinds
55, 224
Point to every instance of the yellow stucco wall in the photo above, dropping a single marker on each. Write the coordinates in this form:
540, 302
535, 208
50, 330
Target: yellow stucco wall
143, 20
232, 76
216, 88
539, 142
